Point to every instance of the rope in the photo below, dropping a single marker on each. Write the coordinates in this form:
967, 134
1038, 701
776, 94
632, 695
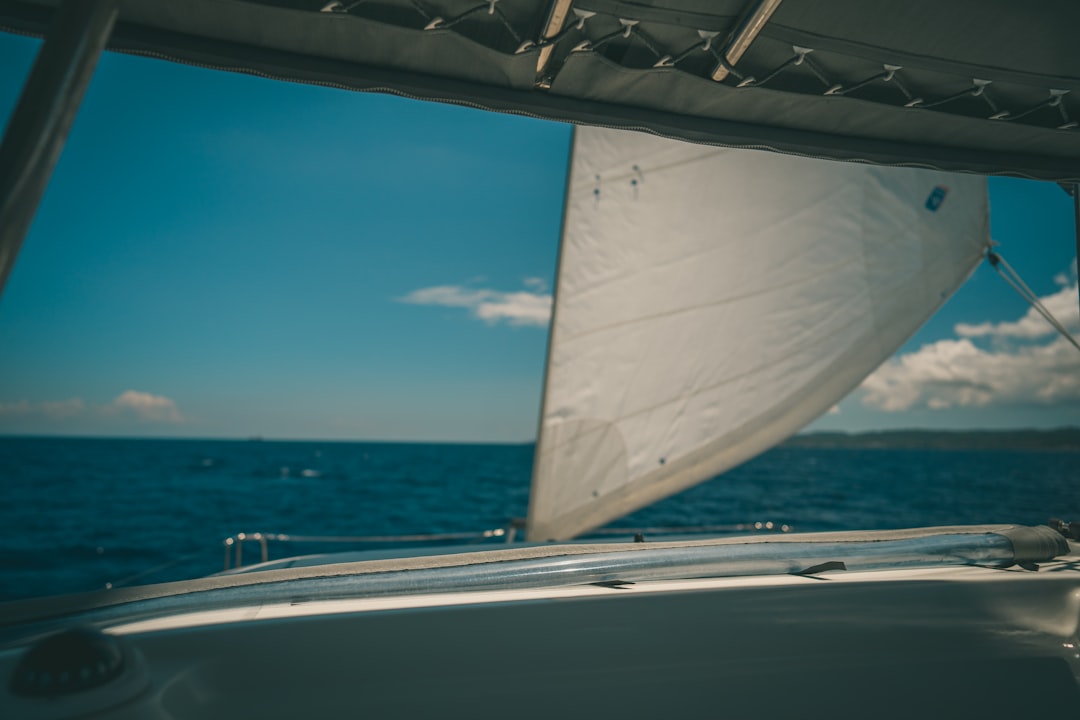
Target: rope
150, 571
1017, 283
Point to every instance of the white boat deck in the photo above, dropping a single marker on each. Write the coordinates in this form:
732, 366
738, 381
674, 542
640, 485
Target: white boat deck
927, 642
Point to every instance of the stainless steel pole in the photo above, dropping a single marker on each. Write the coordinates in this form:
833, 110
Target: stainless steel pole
39, 126
1076, 222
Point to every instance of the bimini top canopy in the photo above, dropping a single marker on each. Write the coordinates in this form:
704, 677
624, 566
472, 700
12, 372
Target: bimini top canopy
986, 86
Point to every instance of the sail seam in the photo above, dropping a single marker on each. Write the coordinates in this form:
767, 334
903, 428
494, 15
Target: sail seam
724, 301
745, 239
667, 166
699, 391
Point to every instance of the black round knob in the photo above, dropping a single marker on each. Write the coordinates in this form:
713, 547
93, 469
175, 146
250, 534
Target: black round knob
69, 661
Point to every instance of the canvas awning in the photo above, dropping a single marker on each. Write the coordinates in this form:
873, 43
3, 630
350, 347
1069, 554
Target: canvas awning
986, 86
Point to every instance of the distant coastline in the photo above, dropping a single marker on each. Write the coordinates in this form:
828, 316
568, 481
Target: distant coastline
1058, 439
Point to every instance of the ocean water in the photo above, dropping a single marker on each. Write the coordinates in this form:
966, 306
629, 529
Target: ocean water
77, 514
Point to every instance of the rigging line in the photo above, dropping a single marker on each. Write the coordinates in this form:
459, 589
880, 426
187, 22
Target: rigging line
1017, 283
1020, 286
150, 571
1025, 292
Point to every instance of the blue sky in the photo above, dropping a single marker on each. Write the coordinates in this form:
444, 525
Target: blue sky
224, 256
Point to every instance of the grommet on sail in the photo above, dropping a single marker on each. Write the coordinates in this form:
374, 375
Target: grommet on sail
711, 302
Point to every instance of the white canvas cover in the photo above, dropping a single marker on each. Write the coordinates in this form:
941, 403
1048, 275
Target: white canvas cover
711, 302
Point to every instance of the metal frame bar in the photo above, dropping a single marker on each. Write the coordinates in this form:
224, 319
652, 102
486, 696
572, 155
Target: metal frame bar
1076, 221
746, 34
39, 126
556, 17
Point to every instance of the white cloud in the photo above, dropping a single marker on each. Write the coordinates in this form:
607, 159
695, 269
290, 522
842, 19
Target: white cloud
55, 410
524, 307
141, 405
14, 409
1016, 370
63, 408
151, 408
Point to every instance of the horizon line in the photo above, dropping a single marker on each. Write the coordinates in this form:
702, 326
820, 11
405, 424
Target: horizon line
405, 441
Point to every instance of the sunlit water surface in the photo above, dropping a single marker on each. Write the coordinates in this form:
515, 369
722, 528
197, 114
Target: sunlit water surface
79, 513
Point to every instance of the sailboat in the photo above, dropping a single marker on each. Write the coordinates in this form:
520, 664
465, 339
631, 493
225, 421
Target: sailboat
712, 297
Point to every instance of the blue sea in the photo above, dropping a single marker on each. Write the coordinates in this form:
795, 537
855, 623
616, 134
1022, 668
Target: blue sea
78, 514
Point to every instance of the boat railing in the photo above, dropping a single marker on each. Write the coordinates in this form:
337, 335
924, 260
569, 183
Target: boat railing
233, 546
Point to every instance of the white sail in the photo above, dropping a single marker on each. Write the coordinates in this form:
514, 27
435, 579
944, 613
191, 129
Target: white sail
711, 302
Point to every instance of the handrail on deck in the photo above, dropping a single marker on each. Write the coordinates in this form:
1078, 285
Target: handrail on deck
234, 544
